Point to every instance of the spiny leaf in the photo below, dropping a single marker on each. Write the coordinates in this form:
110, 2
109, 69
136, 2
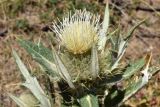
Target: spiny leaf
42, 55
130, 33
105, 24
123, 43
62, 70
89, 101
145, 72
18, 101
94, 62
135, 86
69, 105
133, 68
32, 84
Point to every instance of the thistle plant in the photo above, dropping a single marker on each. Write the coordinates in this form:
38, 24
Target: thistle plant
86, 68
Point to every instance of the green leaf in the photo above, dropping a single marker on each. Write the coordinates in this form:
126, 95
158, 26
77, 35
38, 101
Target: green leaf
62, 70
32, 84
105, 25
62, 105
123, 43
94, 62
42, 55
18, 101
137, 85
46, 58
133, 68
89, 101
130, 33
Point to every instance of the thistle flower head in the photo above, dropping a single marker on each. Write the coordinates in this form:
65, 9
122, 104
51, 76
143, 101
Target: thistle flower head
78, 32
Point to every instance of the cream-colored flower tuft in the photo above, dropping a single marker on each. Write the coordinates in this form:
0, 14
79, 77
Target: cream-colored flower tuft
78, 32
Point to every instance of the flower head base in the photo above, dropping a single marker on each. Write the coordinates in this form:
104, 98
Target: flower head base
78, 32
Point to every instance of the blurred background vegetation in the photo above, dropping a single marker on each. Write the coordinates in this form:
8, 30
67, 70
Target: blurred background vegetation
30, 19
